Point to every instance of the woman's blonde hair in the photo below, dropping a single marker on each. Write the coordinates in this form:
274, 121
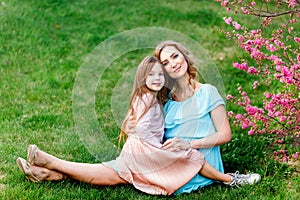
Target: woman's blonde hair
192, 70
139, 89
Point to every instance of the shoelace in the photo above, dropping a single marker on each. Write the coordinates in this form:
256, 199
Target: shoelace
238, 179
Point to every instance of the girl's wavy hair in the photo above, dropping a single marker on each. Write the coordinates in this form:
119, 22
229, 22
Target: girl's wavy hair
192, 69
139, 89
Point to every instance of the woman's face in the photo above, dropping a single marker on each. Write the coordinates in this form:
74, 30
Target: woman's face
173, 61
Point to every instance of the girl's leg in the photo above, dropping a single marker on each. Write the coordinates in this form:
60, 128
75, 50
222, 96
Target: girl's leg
209, 172
97, 174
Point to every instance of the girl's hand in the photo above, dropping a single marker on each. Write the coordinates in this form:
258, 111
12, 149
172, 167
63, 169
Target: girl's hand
176, 144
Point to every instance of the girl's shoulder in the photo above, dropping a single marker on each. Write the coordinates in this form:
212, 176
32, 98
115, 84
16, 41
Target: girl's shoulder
146, 98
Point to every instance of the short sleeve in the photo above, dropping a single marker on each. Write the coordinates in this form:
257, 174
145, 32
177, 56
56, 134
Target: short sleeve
214, 99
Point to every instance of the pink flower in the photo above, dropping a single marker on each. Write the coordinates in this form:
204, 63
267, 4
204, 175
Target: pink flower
255, 84
227, 20
251, 132
244, 93
230, 113
284, 159
296, 155
251, 110
253, 3
268, 95
244, 125
271, 48
282, 118
297, 39
236, 25
277, 114
239, 116
251, 70
228, 97
275, 153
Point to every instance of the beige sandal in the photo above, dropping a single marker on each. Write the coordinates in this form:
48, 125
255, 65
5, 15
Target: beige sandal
24, 167
31, 153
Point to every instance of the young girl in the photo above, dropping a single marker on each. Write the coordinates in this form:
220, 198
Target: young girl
141, 161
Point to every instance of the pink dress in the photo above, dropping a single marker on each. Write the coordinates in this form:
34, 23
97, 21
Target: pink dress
144, 164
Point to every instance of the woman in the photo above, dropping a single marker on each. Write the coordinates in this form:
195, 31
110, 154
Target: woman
195, 114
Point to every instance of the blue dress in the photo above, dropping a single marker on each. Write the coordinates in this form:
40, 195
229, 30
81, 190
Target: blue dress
191, 120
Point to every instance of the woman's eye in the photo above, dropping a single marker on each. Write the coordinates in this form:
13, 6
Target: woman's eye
175, 56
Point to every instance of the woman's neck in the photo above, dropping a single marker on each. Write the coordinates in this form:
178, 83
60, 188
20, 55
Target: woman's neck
183, 89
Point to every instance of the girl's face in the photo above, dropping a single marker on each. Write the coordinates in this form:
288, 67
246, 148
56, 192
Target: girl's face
173, 61
155, 79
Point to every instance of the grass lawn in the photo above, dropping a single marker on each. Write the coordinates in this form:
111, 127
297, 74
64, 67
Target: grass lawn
42, 46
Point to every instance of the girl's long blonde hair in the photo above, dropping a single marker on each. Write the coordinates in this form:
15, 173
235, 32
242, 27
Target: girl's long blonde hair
139, 89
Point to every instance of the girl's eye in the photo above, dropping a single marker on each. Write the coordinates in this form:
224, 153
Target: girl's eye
161, 74
150, 74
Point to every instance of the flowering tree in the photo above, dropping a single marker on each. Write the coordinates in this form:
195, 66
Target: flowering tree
276, 56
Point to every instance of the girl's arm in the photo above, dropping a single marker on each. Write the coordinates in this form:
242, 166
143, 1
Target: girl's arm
143, 126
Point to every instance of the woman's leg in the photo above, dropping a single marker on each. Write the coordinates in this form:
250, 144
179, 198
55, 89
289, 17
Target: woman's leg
97, 174
209, 172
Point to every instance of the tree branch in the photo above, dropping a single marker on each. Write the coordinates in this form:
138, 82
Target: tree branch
271, 14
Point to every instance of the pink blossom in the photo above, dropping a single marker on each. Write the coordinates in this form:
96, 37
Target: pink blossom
282, 118
268, 95
236, 25
227, 20
242, 66
251, 110
271, 105
255, 84
253, 3
279, 141
251, 132
296, 155
239, 116
275, 153
244, 125
278, 113
251, 70
297, 39
228, 97
230, 113
284, 159
271, 48
244, 93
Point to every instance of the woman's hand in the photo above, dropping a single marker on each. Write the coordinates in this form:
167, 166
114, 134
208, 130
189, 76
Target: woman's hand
176, 144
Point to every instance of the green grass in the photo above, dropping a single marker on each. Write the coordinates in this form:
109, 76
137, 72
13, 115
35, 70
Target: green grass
42, 46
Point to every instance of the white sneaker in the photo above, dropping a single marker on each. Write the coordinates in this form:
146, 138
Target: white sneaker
242, 179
